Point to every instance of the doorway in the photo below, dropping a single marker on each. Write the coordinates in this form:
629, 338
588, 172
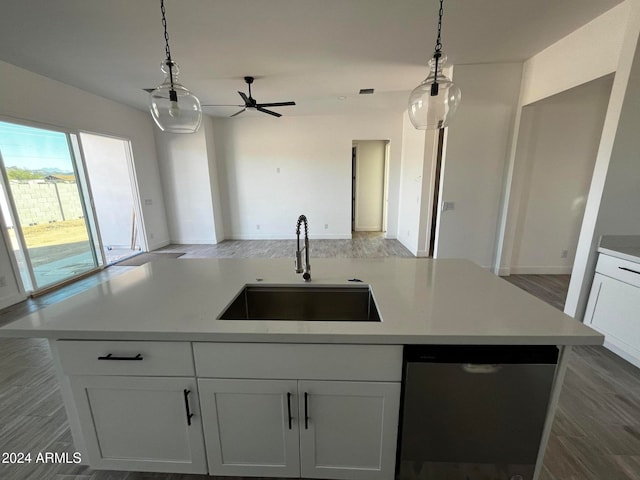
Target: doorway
369, 165
43, 209
111, 178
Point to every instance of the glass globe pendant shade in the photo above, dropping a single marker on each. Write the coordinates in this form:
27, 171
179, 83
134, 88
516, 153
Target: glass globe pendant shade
173, 107
428, 111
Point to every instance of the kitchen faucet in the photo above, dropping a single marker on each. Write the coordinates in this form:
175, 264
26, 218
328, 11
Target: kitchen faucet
307, 268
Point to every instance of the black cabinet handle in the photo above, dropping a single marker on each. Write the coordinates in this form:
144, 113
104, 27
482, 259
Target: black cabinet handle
111, 357
186, 406
289, 408
306, 411
629, 270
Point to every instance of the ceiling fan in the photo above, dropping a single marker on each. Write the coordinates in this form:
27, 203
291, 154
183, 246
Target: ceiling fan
250, 102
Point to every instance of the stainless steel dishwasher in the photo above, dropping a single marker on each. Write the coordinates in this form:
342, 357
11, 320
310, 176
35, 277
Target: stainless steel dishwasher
473, 412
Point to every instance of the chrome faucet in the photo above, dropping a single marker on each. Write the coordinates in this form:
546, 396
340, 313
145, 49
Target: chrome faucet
307, 268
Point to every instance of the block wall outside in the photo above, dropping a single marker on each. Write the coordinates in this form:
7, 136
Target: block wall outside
46, 202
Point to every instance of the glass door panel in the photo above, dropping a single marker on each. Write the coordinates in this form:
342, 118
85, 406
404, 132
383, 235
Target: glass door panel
41, 176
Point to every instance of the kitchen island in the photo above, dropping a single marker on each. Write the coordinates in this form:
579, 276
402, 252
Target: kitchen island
153, 380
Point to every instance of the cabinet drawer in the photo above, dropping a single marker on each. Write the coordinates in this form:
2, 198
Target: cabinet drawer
125, 358
305, 361
623, 270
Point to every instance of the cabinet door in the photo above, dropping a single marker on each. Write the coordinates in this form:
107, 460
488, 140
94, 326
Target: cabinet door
247, 428
614, 309
350, 429
140, 423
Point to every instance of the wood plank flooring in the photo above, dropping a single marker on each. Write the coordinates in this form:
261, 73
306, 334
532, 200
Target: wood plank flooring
596, 433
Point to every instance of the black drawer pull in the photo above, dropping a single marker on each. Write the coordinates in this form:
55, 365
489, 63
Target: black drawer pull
629, 270
111, 357
289, 408
306, 411
186, 406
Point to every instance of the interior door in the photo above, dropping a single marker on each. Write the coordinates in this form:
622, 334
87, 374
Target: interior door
251, 427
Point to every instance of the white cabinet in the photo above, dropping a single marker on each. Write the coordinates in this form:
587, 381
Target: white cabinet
246, 427
309, 425
288, 428
133, 405
614, 306
348, 429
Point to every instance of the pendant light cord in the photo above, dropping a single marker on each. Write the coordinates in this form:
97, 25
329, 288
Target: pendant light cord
438, 51
169, 62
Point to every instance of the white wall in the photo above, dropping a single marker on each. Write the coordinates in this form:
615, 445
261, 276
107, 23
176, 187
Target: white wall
590, 52
620, 134
276, 169
477, 147
30, 97
557, 146
369, 185
214, 178
413, 145
184, 165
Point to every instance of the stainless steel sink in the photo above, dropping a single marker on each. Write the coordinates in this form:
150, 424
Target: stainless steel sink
319, 303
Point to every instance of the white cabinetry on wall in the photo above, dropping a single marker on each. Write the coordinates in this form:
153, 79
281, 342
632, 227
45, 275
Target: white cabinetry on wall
614, 306
313, 411
133, 416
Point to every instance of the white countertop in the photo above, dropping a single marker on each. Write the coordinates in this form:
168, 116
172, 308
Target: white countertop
419, 300
625, 247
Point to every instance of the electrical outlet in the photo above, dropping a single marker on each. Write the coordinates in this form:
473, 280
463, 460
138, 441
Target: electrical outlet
3, 281
408, 233
257, 227
151, 235
326, 225
148, 201
278, 170
448, 206
564, 254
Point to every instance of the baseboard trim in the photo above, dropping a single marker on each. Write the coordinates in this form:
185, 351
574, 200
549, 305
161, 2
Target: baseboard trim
368, 229
158, 245
287, 237
504, 271
564, 270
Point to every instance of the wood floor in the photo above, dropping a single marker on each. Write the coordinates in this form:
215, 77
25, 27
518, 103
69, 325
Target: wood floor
596, 433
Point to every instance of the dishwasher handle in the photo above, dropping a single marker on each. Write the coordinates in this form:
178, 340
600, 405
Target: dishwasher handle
481, 368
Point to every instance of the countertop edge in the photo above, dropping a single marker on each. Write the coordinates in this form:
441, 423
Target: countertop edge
399, 339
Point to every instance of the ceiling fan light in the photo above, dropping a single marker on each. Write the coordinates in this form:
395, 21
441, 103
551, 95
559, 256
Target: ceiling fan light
428, 111
173, 107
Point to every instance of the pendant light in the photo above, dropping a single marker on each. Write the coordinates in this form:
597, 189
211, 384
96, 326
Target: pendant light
173, 107
435, 100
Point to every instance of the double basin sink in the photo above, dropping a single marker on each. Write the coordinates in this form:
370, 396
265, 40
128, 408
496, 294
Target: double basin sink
303, 303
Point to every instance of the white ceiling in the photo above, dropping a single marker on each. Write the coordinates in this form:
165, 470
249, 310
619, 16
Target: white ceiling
310, 51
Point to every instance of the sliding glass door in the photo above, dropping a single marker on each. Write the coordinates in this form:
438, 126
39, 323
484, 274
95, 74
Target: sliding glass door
43, 206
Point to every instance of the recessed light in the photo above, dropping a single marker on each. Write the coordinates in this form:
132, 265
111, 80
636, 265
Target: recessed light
342, 97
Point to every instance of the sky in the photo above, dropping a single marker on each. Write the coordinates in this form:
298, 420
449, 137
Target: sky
33, 148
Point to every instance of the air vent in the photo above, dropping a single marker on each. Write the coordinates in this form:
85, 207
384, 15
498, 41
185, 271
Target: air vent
366, 91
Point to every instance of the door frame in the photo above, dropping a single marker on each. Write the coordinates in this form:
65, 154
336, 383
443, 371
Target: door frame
133, 185
354, 182
79, 165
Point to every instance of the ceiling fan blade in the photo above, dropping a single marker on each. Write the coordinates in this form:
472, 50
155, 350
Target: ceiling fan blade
264, 110
277, 104
238, 113
210, 105
244, 97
